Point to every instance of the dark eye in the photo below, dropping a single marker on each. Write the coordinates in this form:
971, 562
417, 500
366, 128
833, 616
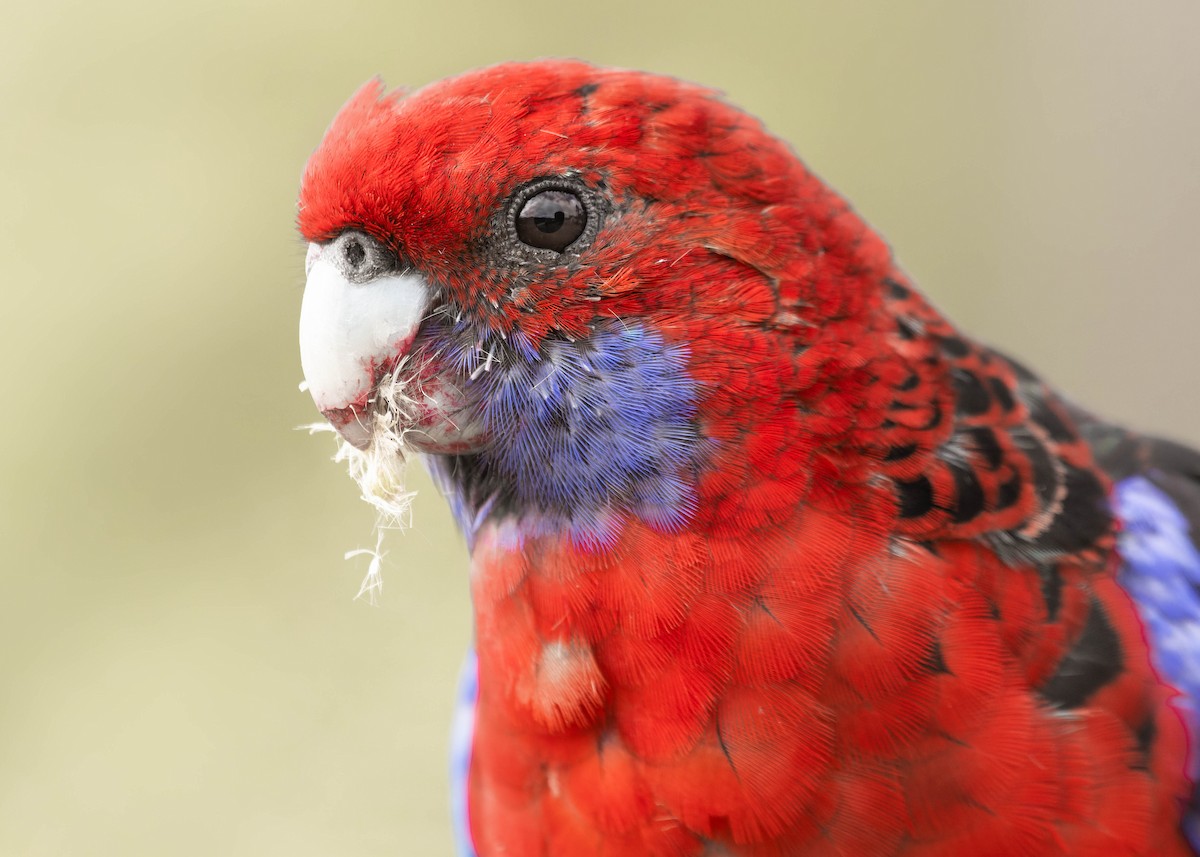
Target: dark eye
551, 220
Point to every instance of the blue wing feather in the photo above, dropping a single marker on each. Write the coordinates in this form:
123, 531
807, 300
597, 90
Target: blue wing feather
1161, 571
460, 752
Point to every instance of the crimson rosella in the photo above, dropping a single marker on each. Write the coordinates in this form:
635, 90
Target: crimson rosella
767, 558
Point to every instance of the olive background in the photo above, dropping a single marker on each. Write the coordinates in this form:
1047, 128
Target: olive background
183, 667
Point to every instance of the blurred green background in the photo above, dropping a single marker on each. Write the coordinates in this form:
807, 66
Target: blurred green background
183, 669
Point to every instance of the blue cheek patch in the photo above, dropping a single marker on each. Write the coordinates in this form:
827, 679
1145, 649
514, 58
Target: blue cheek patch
582, 431
1162, 573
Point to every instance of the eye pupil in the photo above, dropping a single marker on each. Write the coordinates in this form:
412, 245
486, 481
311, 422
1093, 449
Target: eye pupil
551, 220
550, 224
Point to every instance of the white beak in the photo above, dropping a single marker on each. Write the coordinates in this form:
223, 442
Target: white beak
352, 332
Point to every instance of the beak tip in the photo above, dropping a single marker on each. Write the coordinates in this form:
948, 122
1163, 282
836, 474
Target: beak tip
350, 426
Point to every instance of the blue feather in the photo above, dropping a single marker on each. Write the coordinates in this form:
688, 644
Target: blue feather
461, 737
1161, 572
584, 432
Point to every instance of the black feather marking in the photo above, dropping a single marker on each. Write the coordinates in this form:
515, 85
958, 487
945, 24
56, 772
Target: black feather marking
1046, 475
931, 547
909, 383
1085, 516
935, 418
1009, 492
1044, 414
1172, 457
984, 441
969, 499
1117, 451
1002, 394
896, 453
1171, 466
1092, 662
935, 660
1052, 586
1145, 735
916, 497
953, 346
972, 396
1175, 468
898, 290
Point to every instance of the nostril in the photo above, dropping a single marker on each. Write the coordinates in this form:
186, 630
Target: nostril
354, 252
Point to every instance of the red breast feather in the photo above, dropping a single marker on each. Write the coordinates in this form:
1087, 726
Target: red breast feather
888, 624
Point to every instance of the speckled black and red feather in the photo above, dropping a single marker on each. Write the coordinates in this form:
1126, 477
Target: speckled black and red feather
890, 624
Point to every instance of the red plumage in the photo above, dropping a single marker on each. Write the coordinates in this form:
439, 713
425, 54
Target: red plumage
848, 647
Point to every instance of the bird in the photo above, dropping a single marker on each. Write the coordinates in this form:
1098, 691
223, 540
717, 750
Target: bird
766, 556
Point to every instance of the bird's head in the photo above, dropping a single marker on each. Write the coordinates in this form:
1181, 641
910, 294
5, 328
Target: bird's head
576, 264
